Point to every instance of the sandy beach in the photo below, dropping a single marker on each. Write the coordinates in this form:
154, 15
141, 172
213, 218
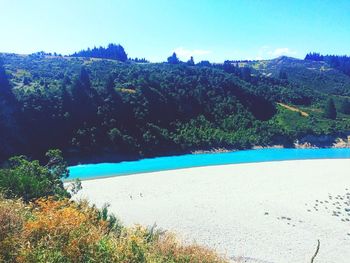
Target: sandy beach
261, 212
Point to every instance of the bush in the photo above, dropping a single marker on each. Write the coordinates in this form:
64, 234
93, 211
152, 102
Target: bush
29, 180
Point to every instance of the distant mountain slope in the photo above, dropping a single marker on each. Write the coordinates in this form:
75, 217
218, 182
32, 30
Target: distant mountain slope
316, 75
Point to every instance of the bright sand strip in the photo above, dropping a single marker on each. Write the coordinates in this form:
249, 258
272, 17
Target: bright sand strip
271, 212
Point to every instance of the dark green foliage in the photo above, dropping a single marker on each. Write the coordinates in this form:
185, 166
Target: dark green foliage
113, 51
173, 59
345, 106
5, 87
229, 67
104, 107
283, 74
246, 73
190, 62
139, 60
314, 56
204, 63
330, 111
4, 83
9, 133
341, 63
30, 180
113, 223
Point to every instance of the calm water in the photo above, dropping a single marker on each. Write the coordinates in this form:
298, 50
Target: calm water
86, 171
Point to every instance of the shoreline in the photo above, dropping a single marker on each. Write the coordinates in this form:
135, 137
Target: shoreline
304, 143
267, 211
200, 166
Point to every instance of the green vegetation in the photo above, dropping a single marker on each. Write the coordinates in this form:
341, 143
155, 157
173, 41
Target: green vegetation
91, 106
29, 180
345, 106
342, 63
318, 76
113, 51
330, 111
103, 103
52, 229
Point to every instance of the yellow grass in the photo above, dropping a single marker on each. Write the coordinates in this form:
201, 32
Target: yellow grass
50, 230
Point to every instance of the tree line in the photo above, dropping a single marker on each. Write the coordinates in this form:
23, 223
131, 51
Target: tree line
341, 63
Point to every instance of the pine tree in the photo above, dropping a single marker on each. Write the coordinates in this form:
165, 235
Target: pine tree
82, 97
110, 85
330, 111
345, 106
84, 79
5, 88
190, 62
113, 51
66, 101
173, 59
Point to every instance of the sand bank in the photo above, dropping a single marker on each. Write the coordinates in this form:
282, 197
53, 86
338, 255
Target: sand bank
263, 212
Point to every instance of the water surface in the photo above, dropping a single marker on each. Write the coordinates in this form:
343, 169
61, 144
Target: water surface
89, 171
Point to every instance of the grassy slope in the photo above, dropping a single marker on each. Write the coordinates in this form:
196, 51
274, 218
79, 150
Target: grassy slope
316, 75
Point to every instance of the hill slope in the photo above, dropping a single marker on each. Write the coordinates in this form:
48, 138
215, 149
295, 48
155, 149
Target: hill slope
316, 75
89, 106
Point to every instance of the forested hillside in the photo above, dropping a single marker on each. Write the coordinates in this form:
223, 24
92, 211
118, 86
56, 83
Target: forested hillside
92, 106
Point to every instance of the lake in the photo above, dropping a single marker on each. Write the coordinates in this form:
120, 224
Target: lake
89, 171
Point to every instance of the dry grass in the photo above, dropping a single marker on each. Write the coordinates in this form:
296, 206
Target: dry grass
50, 230
168, 247
13, 214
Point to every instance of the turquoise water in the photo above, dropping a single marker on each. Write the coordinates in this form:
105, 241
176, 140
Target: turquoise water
86, 171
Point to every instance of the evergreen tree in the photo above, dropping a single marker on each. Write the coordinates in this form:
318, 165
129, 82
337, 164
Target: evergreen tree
204, 63
113, 51
173, 59
66, 101
84, 79
190, 62
330, 111
111, 92
314, 56
110, 85
5, 88
81, 94
345, 106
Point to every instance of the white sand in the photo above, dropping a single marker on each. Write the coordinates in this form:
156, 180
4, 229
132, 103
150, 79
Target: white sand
225, 207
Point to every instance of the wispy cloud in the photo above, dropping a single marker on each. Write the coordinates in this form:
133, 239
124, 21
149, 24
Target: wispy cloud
185, 54
268, 52
282, 51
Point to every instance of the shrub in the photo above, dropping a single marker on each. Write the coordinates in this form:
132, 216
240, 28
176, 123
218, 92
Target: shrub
29, 180
12, 218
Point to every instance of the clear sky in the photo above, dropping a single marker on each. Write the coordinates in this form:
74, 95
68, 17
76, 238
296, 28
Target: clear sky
207, 29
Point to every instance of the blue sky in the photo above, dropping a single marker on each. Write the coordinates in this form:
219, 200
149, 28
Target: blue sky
207, 29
